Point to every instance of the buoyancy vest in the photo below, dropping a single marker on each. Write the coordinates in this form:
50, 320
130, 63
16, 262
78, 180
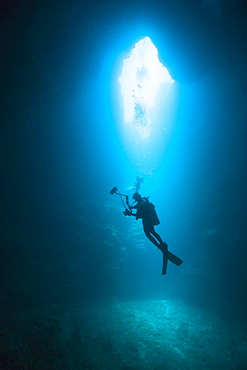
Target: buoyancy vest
147, 209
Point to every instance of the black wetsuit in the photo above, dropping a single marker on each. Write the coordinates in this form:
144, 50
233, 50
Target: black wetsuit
146, 211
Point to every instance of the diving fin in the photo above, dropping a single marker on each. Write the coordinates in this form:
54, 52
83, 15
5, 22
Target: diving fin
174, 259
164, 267
168, 256
165, 260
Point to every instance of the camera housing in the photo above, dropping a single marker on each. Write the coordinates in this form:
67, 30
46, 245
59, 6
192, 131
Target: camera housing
113, 190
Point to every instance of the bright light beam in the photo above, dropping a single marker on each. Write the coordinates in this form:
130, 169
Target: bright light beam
142, 75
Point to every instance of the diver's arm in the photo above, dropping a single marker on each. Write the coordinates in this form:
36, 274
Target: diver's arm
128, 212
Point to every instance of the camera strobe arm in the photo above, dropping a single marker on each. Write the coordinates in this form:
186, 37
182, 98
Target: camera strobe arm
115, 191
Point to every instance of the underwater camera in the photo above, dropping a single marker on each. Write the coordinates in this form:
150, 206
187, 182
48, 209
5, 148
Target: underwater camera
113, 190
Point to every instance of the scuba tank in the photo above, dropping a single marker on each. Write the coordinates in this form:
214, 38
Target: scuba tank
150, 208
153, 214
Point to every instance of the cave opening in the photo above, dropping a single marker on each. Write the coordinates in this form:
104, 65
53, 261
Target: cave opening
141, 77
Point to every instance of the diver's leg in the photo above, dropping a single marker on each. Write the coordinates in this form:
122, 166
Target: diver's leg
156, 235
153, 240
147, 231
163, 245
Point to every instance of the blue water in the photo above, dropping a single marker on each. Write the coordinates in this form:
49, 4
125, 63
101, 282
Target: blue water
81, 285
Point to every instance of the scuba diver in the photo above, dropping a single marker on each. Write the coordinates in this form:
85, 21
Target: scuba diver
146, 211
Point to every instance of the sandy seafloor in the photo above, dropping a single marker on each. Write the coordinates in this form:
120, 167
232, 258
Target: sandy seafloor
157, 334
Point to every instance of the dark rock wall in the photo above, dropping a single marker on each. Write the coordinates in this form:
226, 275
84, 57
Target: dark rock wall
51, 53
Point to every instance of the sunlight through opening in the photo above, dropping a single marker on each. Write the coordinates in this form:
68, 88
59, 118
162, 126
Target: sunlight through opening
142, 75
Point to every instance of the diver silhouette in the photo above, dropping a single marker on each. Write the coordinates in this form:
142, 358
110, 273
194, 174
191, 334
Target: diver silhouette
146, 211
